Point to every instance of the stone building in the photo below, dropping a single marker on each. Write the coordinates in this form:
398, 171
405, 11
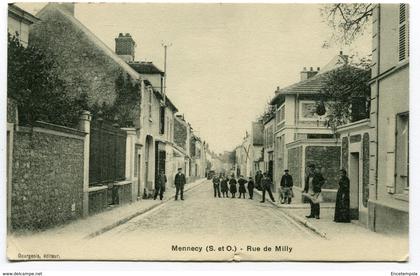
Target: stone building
268, 141
388, 200
301, 136
91, 68
182, 136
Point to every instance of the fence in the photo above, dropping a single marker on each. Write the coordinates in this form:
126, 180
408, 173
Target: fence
107, 153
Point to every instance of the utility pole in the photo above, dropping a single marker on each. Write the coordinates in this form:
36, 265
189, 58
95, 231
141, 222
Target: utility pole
165, 48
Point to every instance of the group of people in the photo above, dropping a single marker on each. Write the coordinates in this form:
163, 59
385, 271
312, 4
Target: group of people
314, 181
312, 191
222, 185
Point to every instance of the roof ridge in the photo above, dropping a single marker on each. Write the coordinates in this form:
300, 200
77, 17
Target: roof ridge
98, 42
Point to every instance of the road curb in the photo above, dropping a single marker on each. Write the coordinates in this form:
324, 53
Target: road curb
298, 219
133, 215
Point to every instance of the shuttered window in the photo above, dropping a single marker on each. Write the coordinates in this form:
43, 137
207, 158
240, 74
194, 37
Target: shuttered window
403, 51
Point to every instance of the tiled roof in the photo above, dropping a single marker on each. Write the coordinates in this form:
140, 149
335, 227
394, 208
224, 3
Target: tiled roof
145, 67
312, 85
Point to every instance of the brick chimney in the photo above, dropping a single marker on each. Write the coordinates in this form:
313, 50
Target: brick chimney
124, 47
306, 74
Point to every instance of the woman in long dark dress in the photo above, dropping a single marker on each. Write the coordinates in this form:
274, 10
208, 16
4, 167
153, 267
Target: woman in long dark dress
342, 203
232, 184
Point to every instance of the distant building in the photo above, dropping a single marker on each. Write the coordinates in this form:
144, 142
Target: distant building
269, 128
249, 154
182, 136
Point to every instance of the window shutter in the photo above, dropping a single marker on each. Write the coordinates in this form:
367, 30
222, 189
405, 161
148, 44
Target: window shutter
403, 33
402, 13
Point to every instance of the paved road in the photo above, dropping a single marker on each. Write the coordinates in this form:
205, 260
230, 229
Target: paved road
202, 214
201, 218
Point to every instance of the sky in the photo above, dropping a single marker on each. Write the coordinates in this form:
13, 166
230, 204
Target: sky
225, 60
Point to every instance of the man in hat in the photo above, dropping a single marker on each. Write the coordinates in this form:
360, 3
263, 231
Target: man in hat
160, 185
179, 184
286, 186
216, 186
313, 183
266, 187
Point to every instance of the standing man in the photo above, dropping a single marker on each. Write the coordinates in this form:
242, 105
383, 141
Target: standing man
160, 185
242, 191
179, 184
216, 185
266, 186
286, 185
258, 178
250, 187
313, 183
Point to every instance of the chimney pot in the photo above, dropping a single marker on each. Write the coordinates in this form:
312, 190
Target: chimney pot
341, 53
304, 68
312, 68
318, 69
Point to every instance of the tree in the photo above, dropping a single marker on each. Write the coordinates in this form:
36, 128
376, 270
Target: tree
348, 20
38, 91
269, 112
346, 95
125, 109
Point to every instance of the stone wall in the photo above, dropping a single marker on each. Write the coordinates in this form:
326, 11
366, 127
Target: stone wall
295, 165
180, 134
47, 177
327, 157
84, 66
98, 201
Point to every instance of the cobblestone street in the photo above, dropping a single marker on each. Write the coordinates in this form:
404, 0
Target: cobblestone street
201, 214
206, 228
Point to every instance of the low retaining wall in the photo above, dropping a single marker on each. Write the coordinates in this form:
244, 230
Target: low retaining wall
100, 197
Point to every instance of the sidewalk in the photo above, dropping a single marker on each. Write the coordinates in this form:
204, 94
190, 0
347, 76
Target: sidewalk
326, 227
97, 224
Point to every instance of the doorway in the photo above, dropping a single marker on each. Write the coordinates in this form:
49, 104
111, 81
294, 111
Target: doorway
354, 175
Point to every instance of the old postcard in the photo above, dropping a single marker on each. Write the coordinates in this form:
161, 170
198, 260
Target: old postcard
208, 132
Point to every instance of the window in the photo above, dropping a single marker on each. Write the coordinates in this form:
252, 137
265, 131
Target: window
162, 120
280, 115
402, 153
150, 102
403, 37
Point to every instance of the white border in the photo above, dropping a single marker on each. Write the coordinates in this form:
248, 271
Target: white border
128, 268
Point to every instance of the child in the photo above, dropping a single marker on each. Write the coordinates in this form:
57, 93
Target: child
224, 187
232, 183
